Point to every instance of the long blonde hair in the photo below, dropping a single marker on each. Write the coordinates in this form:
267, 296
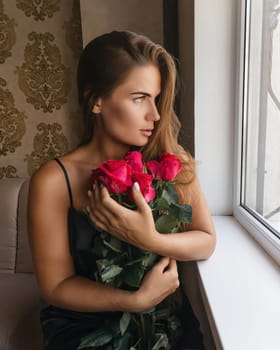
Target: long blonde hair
104, 64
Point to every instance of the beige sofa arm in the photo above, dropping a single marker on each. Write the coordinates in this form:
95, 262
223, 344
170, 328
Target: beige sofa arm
20, 301
9, 194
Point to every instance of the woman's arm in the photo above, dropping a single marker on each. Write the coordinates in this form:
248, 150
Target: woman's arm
137, 227
48, 233
198, 242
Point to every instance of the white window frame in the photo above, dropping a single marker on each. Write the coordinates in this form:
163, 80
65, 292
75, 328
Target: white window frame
258, 230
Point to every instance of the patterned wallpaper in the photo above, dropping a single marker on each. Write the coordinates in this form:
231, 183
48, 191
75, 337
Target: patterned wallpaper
40, 42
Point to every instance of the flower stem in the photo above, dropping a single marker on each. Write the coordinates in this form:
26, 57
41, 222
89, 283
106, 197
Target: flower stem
142, 322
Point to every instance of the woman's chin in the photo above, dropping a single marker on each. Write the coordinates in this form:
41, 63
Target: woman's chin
144, 140
140, 143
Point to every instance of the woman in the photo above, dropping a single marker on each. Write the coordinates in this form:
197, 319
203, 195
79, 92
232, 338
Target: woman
126, 86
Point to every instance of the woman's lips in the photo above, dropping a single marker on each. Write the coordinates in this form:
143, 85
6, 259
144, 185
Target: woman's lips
146, 132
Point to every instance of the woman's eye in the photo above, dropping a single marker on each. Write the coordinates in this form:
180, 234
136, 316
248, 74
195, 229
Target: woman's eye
139, 99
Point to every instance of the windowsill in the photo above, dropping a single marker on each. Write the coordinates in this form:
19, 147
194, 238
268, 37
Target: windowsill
240, 286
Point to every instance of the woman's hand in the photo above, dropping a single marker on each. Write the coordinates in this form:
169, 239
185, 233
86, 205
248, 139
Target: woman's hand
133, 226
161, 281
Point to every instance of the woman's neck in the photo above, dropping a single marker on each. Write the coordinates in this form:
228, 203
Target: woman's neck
104, 150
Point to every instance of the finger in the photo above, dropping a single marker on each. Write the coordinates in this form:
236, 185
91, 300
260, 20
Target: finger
172, 264
92, 197
109, 205
163, 263
173, 269
91, 204
94, 212
97, 202
139, 200
95, 195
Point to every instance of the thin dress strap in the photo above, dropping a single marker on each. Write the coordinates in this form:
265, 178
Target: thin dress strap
67, 180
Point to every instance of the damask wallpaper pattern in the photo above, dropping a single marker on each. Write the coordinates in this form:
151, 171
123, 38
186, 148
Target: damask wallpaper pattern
40, 42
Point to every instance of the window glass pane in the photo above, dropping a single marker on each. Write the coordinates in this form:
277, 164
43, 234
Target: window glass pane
261, 123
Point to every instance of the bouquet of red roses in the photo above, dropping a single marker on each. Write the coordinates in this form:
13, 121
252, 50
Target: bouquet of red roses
122, 265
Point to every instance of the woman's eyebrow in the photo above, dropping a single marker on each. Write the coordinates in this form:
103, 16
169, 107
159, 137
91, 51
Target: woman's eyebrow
141, 93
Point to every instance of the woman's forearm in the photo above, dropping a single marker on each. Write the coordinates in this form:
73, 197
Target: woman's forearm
185, 246
81, 294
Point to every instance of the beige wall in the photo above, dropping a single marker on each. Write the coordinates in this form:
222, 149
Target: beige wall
142, 16
37, 114
39, 49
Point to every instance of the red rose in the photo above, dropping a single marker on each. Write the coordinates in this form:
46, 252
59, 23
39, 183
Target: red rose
170, 166
115, 175
134, 159
167, 169
145, 184
154, 168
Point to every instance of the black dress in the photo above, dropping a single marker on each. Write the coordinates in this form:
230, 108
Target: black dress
63, 328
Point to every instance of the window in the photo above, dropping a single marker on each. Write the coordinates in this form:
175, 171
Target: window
257, 202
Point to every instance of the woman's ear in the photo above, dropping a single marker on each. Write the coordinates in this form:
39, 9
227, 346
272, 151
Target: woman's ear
96, 109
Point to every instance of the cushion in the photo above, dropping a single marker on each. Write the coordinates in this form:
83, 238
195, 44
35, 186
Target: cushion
9, 189
23, 258
19, 317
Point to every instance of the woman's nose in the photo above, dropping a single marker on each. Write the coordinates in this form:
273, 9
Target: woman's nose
153, 114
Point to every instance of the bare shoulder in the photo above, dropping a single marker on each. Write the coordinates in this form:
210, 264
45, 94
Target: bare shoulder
48, 171
48, 183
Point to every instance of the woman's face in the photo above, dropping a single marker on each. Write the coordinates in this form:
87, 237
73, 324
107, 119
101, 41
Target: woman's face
127, 117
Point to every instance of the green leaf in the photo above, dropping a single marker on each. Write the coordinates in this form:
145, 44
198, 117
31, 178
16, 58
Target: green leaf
149, 259
99, 248
135, 261
147, 328
123, 342
133, 275
183, 213
110, 272
145, 260
102, 264
124, 322
166, 223
161, 204
97, 338
170, 194
162, 341
107, 270
114, 244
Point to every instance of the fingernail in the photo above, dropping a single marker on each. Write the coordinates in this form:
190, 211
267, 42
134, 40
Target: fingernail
93, 186
89, 193
87, 209
137, 187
